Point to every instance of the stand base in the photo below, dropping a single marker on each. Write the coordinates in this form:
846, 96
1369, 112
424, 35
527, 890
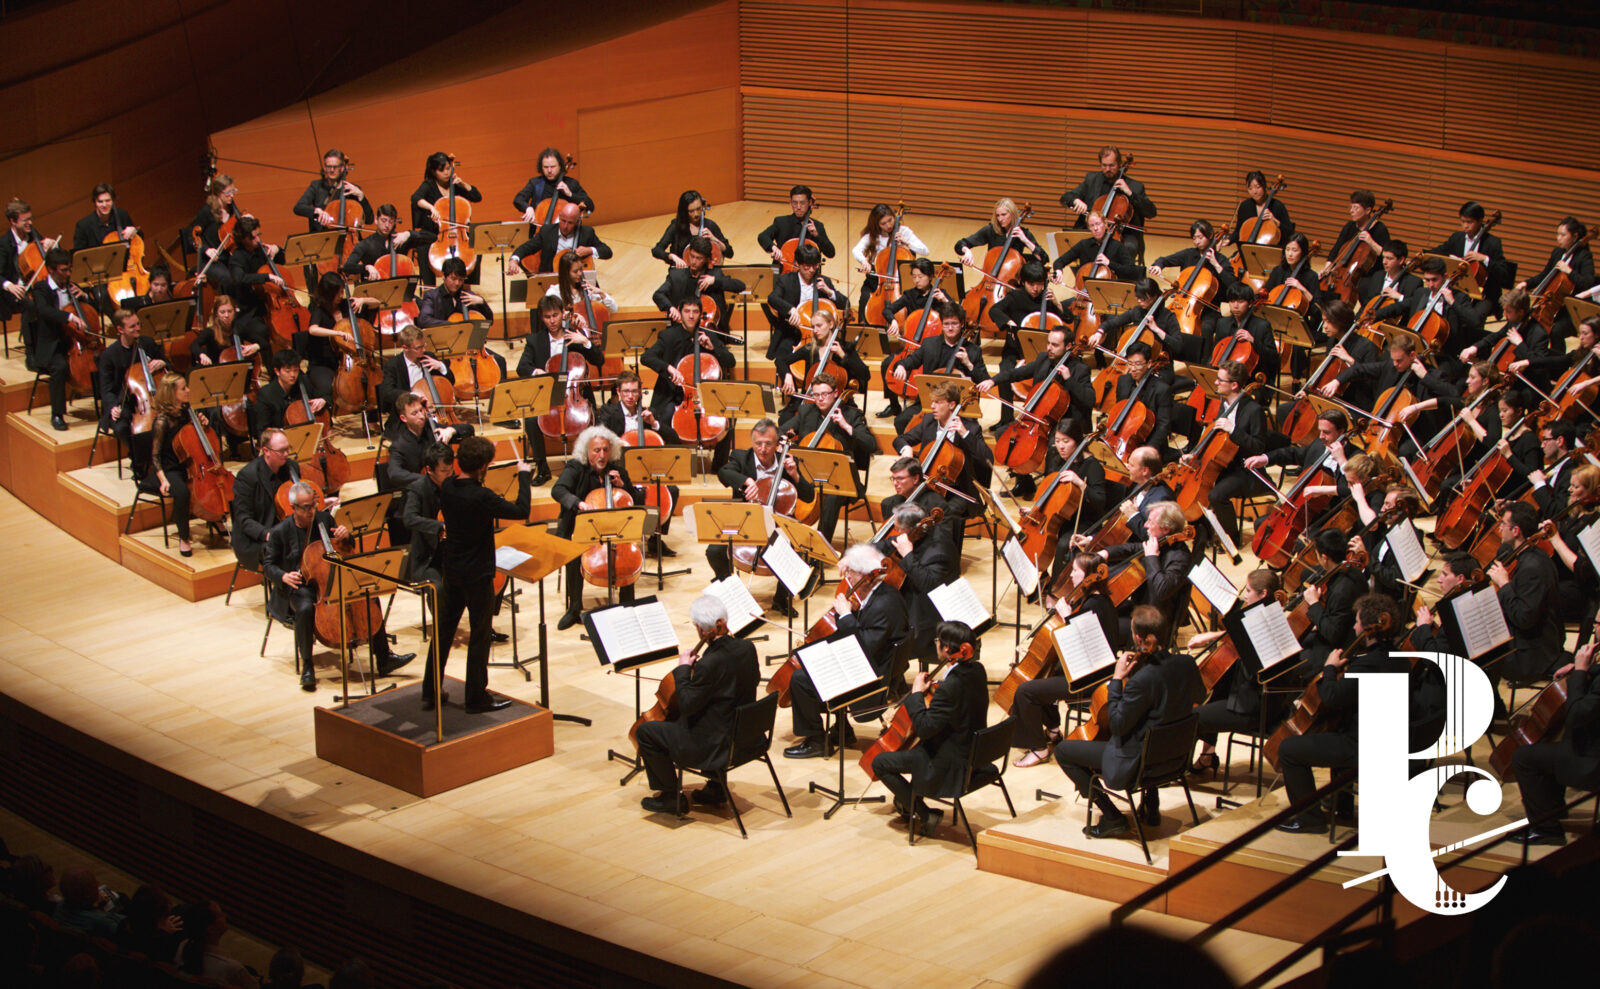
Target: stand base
636, 763
839, 799
389, 738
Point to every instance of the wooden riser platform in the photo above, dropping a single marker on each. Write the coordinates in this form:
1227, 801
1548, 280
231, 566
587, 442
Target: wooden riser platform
1047, 846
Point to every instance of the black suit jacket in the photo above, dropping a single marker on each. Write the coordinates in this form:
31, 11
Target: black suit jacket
1371, 284
879, 625
785, 228
933, 562
672, 345
860, 444
577, 480
254, 513
470, 511
1166, 577
1162, 688
741, 467
397, 381
1339, 692
421, 518
1095, 184
286, 543
721, 681
946, 724
785, 294
545, 239
49, 322
979, 465
1529, 602
681, 286
1158, 399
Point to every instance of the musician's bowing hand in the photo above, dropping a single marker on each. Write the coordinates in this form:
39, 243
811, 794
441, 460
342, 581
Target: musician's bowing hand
1329, 390
1256, 462
523, 466
902, 542
1071, 477
704, 281
794, 317
1498, 574
1424, 616
1204, 639
1336, 659
1096, 337
841, 604
749, 490
919, 683
788, 383
1080, 540
446, 434
616, 478
1124, 664
1409, 412
984, 387
1154, 271
900, 374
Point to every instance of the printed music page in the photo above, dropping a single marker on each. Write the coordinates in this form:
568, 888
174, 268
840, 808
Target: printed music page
510, 558
1482, 622
1215, 587
743, 612
786, 564
1022, 568
958, 602
837, 666
1081, 644
636, 633
1589, 536
1408, 551
1270, 634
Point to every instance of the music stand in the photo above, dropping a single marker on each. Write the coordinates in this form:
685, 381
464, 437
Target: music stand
735, 400
1578, 309
807, 542
758, 279
871, 342
1000, 526
310, 248
1033, 343
1261, 258
364, 516
303, 440
165, 320
522, 398
1109, 295
657, 467
828, 469
627, 339
375, 574
609, 526
1288, 326
535, 287
93, 267
730, 523
215, 385
927, 381
530, 553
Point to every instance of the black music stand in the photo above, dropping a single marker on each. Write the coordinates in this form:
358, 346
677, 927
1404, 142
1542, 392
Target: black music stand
215, 385
528, 291
758, 279
831, 472
166, 320
730, 523
530, 552
364, 516
810, 545
376, 574
838, 707
500, 239
657, 467
608, 527
622, 666
1000, 525
1034, 342
451, 340
94, 267
391, 293
1288, 326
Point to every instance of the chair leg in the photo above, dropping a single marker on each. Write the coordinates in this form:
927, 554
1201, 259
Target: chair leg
267, 634
1001, 782
1138, 826
738, 818
1194, 814
785, 798
961, 812
682, 812
228, 598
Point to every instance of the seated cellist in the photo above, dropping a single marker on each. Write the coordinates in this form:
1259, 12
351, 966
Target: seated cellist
944, 353
845, 423
295, 597
944, 725
1545, 769
1035, 704
1245, 422
116, 399
1166, 561
745, 467
1150, 686
1237, 697
978, 461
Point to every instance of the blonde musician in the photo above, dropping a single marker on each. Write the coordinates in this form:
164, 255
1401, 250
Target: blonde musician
1003, 225
945, 725
713, 681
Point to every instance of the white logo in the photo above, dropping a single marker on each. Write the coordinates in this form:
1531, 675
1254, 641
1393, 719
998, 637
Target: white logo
1396, 808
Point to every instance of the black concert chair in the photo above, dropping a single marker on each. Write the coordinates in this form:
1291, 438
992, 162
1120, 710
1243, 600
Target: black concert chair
752, 740
142, 493
991, 748
233, 580
116, 446
1163, 760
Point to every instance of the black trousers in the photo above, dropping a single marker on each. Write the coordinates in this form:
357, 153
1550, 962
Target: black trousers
1034, 706
476, 598
661, 743
1215, 717
905, 774
178, 496
319, 381
808, 706
303, 605
58, 373
139, 445
574, 587
1298, 754
1080, 761
1232, 484
1543, 773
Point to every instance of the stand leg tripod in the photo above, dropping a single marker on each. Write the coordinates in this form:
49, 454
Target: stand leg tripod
839, 799
637, 764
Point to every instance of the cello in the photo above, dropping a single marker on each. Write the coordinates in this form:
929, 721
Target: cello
1041, 655
1264, 228
820, 439
1118, 212
331, 468
1286, 296
690, 420
1131, 419
886, 269
574, 414
1098, 724
778, 495
285, 315
355, 381
361, 621
1039, 525
210, 483
134, 280
794, 243
1024, 443
1477, 488
1442, 452
1198, 285
666, 706
1001, 269
917, 330
453, 213
1353, 260
1556, 286
1212, 452
83, 347
236, 415
1308, 716
855, 592
899, 734
1084, 315
394, 264
610, 564
141, 383
546, 207
715, 260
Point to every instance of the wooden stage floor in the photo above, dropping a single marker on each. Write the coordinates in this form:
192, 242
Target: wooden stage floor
807, 901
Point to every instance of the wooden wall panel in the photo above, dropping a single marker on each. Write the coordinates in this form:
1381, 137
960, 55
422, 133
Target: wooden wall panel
1197, 102
497, 122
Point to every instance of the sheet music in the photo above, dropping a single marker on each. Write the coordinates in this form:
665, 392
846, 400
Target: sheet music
632, 632
837, 667
1000, 507
510, 558
1022, 568
1408, 551
1081, 644
743, 612
1481, 620
1213, 585
1589, 536
786, 564
958, 602
1270, 634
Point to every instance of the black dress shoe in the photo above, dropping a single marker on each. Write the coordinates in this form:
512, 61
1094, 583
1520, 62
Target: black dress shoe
927, 819
786, 609
667, 803
567, 620
1109, 827
427, 699
58, 423
487, 704
1541, 836
887, 412
541, 477
308, 681
664, 548
394, 662
1150, 812
711, 795
810, 748
1297, 825
499, 637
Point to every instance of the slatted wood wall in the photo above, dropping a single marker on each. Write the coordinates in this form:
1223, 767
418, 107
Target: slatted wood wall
951, 105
